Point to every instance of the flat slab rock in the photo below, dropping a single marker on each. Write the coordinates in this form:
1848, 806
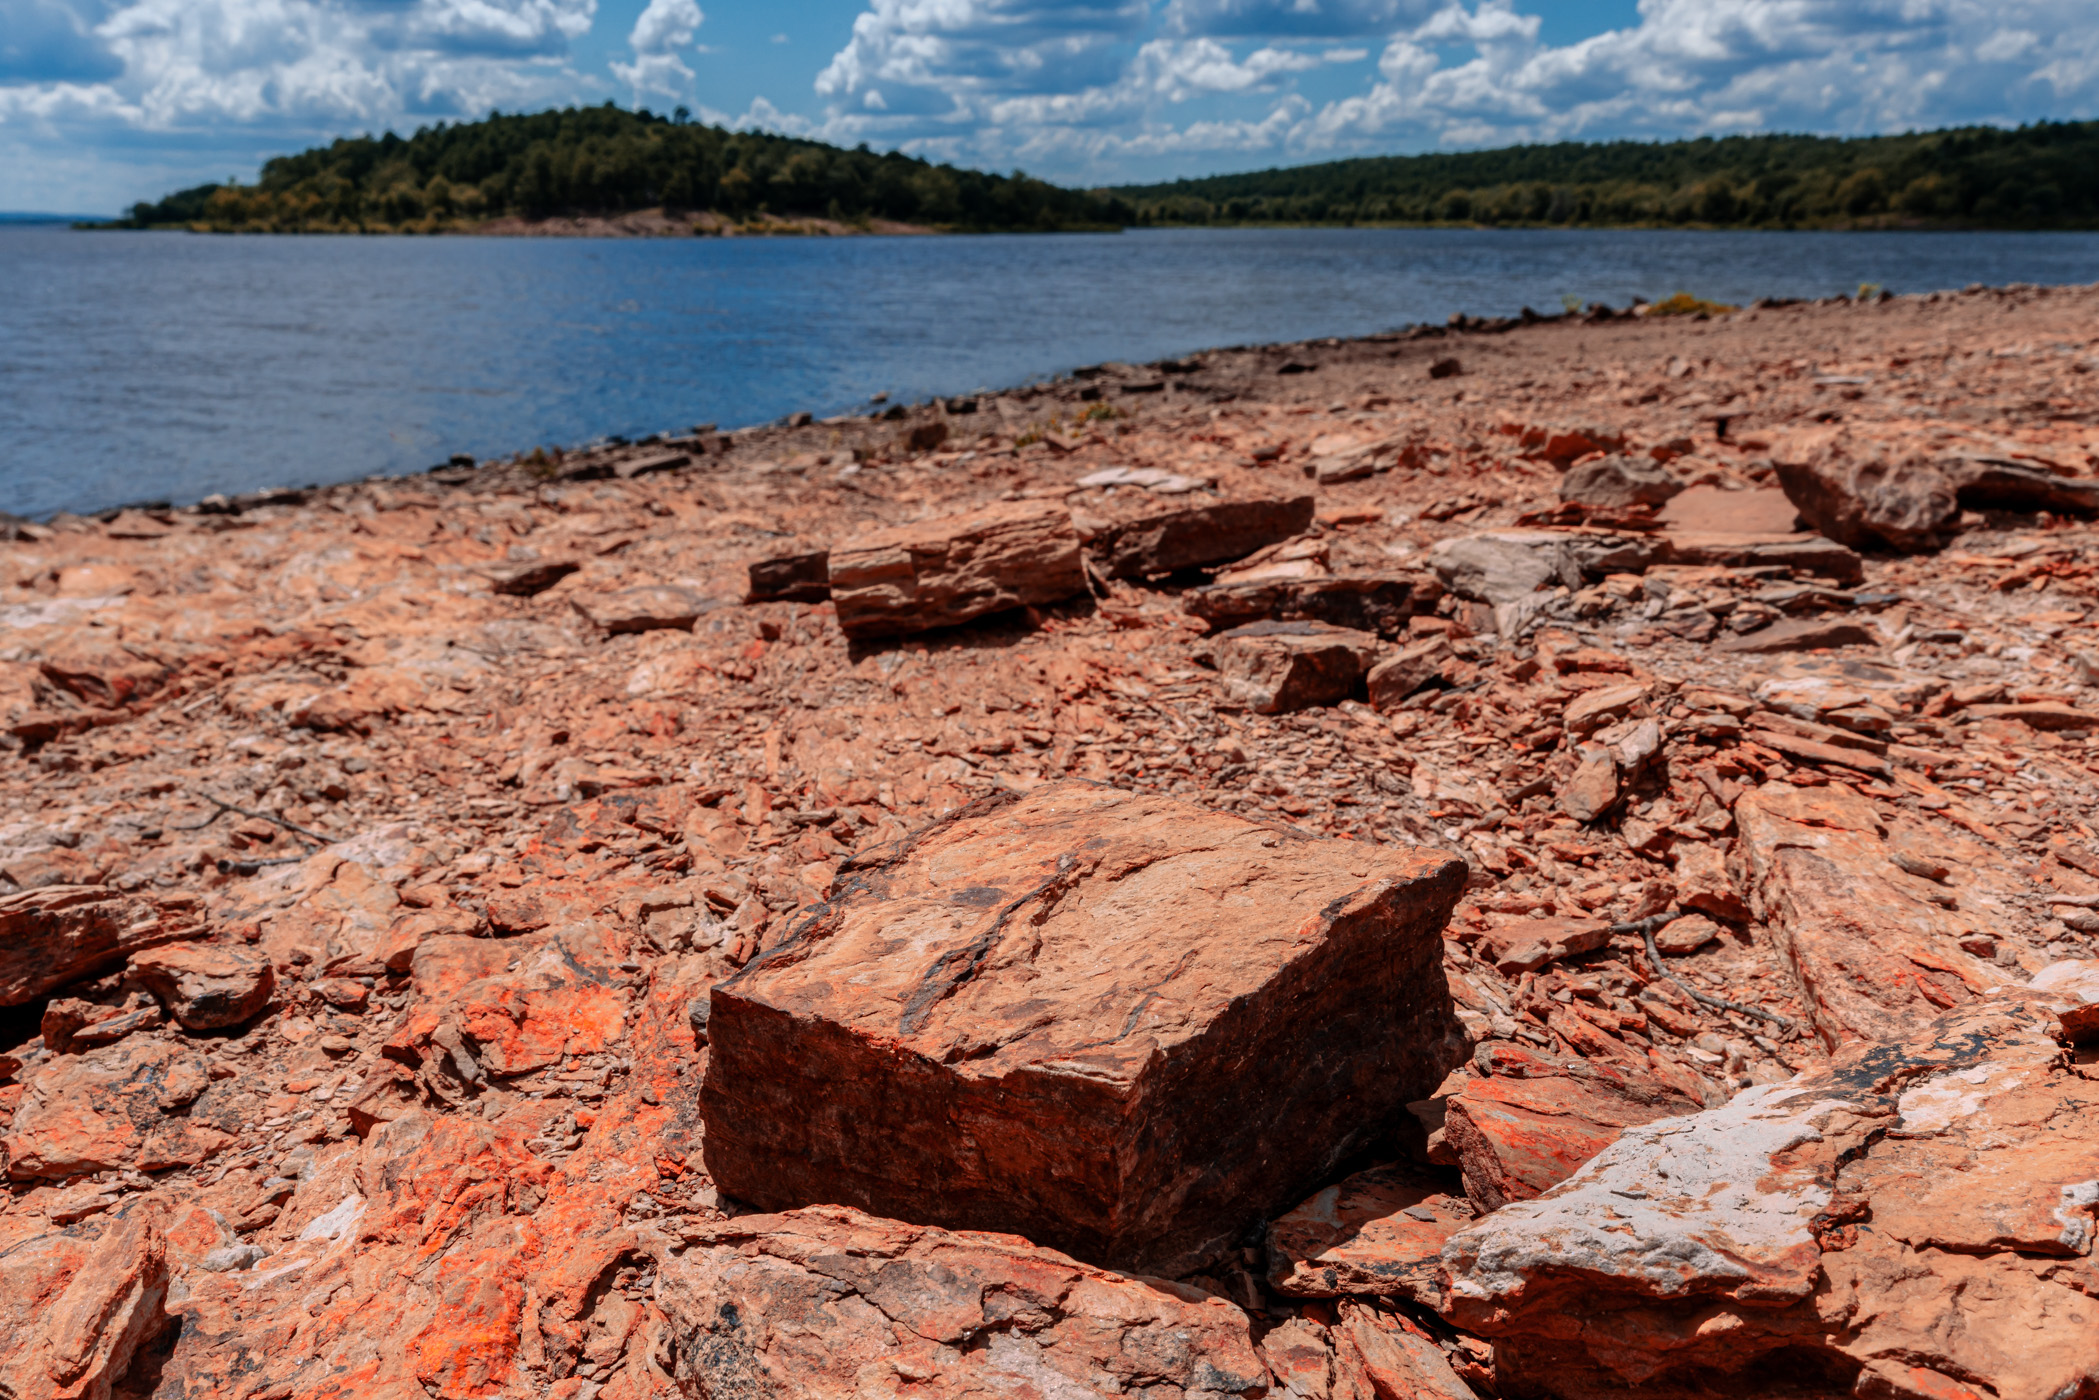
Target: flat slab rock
1274, 667
1194, 536
1380, 1233
1381, 603
936, 573
645, 609
1528, 1121
812, 1301
57, 935
1037, 1016
1916, 1221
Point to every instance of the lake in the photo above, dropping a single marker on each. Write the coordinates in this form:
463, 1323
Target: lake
171, 366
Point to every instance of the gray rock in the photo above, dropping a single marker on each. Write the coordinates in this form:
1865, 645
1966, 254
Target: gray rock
1618, 481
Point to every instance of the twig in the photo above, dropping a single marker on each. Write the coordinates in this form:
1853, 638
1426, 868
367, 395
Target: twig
224, 807
1646, 927
250, 867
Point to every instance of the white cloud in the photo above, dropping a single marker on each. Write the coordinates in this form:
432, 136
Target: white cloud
662, 30
1081, 91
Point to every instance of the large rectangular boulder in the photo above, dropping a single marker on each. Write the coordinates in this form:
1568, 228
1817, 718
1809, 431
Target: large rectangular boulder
1198, 535
1111, 1022
936, 573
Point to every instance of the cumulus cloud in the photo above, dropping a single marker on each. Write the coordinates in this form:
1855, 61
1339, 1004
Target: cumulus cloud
1082, 90
664, 29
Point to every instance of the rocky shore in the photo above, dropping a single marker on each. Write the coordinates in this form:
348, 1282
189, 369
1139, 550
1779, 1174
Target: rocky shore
1539, 859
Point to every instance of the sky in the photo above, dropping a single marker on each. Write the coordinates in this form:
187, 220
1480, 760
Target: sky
103, 102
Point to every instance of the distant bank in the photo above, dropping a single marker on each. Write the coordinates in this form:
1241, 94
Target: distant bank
604, 171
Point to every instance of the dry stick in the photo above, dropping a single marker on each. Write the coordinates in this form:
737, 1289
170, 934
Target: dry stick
225, 807
1646, 927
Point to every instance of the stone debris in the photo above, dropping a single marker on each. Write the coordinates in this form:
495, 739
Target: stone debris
1040, 1006
361, 922
912, 578
1162, 541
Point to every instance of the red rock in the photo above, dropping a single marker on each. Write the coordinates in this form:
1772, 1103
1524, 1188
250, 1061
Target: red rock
1525, 945
1713, 509
1533, 1120
1378, 1233
1864, 490
1382, 603
1593, 709
206, 986
791, 578
1592, 789
1743, 549
1799, 634
1703, 882
529, 577
1685, 934
1165, 539
142, 1103
1397, 676
1618, 481
813, 1301
77, 1305
59, 934
936, 573
2039, 715
1275, 667
1923, 1210
1872, 956
644, 609
1045, 1034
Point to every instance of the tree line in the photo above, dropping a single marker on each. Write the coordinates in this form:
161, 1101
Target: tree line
2043, 176
608, 161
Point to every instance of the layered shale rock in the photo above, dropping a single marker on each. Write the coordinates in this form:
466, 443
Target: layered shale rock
1194, 536
58, 934
1916, 1221
1037, 1016
818, 1301
1275, 667
936, 573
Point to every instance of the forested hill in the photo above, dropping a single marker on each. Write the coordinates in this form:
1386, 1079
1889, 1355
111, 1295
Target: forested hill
605, 161
2044, 176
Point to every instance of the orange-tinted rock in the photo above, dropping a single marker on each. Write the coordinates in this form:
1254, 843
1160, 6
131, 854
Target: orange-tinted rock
1872, 951
1159, 541
1532, 1120
76, 1305
1042, 1008
936, 573
1380, 1232
815, 1301
1401, 674
206, 986
142, 1102
1275, 667
1800, 634
1923, 1210
644, 609
62, 933
1525, 945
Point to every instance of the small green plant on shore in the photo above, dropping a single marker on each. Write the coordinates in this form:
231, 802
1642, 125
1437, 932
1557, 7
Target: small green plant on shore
1867, 291
1684, 304
1570, 303
1100, 413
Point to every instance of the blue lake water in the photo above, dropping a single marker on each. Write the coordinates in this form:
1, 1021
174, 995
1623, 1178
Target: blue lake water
170, 366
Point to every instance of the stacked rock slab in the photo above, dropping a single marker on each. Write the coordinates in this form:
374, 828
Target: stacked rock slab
937, 573
1194, 536
1114, 1023
1916, 1221
1274, 667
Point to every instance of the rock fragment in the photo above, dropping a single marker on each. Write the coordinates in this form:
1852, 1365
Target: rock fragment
1618, 481
813, 1301
58, 934
1378, 1233
1048, 1003
644, 609
1198, 536
1275, 667
1380, 603
937, 573
803, 577
206, 986
1533, 1119
1800, 634
1917, 1217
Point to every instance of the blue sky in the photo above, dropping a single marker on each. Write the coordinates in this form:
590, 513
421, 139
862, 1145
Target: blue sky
106, 101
